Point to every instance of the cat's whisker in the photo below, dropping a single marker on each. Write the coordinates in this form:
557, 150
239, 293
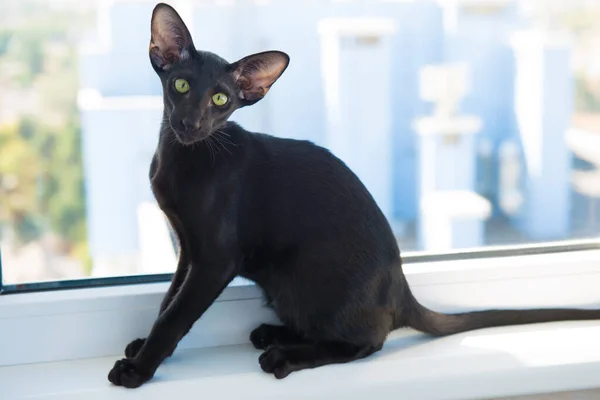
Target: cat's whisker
211, 149
222, 140
225, 139
218, 145
163, 132
223, 132
218, 140
224, 135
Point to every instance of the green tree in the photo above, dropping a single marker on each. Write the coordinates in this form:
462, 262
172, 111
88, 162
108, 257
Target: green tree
42, 152
61, 190
18, 182
5, 37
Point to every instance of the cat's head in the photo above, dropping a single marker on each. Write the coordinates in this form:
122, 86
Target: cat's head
201, 90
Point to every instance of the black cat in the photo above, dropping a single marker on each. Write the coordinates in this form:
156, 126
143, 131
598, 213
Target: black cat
286, 214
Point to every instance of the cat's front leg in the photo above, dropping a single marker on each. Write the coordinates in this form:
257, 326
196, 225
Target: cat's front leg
180, 273
207, 278
182, 269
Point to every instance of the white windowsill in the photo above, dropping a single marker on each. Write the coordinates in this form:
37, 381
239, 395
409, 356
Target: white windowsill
488, 363
61, 345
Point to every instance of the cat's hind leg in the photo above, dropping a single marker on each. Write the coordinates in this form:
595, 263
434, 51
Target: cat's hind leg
267, 335
281, 360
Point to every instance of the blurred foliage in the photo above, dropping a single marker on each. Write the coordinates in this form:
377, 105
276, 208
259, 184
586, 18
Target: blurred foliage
19, 168
41, 174
587, 98
581, 19
5, 37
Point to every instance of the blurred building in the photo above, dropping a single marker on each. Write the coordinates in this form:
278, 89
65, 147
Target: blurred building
354, 86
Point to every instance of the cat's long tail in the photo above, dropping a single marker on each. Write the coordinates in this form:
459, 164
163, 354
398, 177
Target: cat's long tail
428, 321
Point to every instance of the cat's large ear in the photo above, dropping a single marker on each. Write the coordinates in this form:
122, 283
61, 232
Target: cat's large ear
254, 75
171, 41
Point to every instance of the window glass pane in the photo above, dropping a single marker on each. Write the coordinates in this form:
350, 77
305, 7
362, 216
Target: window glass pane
472, 123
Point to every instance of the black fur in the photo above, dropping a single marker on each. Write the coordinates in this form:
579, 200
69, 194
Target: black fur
286, 214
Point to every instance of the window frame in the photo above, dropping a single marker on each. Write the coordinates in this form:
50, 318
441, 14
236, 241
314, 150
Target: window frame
76, 322
409, 257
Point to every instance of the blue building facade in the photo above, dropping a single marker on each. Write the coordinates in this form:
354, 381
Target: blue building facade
114, 68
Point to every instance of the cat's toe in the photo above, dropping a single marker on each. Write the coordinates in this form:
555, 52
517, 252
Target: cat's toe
274, 361
134, 347
126, 373
262, 337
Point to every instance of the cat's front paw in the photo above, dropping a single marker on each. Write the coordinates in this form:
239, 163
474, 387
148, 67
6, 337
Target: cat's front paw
126, 373
274, 361
134, 347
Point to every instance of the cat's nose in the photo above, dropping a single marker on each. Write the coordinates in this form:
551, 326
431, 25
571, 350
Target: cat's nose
190, 124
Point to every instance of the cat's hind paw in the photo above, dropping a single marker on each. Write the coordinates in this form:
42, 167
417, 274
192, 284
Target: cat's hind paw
262, 337
274, 361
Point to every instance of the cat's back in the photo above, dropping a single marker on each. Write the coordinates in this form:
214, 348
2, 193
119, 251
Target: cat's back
301, 166
303, 189
301, 155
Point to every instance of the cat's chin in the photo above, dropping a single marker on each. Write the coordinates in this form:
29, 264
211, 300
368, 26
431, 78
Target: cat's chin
189, 140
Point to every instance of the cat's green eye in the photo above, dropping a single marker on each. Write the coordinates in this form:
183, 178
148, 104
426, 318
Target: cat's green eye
220, 99
181, 85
